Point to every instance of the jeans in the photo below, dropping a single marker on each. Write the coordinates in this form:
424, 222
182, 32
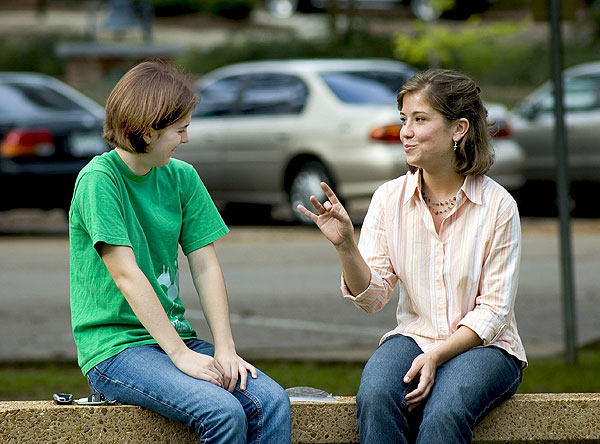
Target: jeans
466, 388
144, 375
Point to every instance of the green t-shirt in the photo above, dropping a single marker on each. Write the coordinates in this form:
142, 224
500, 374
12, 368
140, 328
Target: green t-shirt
152, 214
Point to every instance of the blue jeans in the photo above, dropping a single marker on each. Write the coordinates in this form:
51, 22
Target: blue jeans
144, 375
466, 388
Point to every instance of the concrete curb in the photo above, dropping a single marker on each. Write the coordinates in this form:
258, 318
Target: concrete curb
533, 418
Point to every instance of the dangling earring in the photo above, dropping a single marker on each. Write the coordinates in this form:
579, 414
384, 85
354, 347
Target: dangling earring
455, 145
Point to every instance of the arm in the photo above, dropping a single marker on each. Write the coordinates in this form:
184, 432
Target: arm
210, 285
334, 222
137, 290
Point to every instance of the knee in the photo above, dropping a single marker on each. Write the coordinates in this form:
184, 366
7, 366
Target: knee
373, 396
226, 423
276, 405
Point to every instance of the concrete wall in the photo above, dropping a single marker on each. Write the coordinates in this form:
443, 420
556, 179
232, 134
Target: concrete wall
536, 418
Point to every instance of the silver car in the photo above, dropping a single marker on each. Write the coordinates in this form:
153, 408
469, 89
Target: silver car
533, 121
270, 132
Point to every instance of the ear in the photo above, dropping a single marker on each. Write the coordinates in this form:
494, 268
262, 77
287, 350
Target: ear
149, 136
462, 127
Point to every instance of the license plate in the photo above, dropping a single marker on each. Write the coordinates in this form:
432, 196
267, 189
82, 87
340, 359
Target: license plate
83, 145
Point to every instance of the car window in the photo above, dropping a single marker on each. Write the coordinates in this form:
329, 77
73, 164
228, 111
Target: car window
23, 98
580, 94
221, 97
274, 94
368, 87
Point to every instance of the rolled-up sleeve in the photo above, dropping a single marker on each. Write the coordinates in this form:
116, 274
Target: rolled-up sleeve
494, 305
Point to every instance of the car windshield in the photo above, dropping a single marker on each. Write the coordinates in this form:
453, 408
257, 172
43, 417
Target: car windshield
22, 98
366, 87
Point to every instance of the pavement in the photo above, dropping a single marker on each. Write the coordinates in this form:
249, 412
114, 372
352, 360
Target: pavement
283, 285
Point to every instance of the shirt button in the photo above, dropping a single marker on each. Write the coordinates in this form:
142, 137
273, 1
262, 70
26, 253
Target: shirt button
442, 330
440, 301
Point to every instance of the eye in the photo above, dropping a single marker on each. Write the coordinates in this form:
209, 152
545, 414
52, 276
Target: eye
402, 120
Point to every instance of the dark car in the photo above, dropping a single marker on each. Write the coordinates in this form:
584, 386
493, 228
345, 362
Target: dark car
48, 132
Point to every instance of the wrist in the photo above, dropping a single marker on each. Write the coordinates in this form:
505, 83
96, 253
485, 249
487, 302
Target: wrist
347, 246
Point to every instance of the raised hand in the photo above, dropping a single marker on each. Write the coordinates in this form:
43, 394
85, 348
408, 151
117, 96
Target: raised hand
331, 218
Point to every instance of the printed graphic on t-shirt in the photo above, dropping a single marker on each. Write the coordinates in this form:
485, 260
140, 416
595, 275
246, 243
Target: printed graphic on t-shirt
169, 279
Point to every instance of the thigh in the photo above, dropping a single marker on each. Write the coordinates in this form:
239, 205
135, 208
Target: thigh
390, 362
144, 375
474, 382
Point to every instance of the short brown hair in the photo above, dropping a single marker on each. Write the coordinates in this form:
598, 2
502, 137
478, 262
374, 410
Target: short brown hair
456, 96
152, 95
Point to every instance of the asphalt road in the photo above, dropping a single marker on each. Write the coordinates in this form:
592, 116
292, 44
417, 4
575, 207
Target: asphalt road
283, 284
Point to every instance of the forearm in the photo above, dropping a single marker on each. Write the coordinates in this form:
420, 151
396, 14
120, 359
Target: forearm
142, 299
210, 286
461, 340
357, 274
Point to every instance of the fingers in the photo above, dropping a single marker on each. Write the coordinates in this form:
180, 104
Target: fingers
421, 373
312, 216
329, 193
231, 380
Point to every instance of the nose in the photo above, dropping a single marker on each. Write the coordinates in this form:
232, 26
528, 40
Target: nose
406, 131
185, 138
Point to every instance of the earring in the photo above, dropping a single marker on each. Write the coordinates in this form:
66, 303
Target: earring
455, 145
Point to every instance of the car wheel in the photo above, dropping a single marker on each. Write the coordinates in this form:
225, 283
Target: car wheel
306, 183
281, 8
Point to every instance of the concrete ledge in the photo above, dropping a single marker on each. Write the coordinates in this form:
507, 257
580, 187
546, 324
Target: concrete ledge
535, 418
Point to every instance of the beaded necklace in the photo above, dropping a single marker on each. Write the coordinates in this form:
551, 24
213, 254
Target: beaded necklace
439, 207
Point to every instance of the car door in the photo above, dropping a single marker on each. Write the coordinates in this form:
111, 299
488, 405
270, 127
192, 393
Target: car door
257, 143
210, 121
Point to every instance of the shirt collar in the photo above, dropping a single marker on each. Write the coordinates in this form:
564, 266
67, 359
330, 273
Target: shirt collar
471, 187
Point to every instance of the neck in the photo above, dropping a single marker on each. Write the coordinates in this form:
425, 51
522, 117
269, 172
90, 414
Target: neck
135, 162
442, 186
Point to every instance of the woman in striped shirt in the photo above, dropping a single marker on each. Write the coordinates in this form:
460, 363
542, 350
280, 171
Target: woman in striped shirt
450, 237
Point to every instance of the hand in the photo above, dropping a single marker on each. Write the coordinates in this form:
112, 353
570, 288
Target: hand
331, 218
424, 366
233, 367
199, 366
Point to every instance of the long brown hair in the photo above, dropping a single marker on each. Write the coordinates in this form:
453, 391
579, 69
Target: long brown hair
152, 95
456, 96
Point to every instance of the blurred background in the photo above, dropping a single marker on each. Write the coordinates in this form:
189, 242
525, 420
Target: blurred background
292, 92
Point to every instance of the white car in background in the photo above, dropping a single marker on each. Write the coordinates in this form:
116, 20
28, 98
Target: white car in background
269, 132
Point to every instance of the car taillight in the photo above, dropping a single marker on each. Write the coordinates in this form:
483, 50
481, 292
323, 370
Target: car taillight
386, 133
502, 129
27, 142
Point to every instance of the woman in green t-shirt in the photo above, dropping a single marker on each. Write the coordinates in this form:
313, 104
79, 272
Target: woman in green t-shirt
132, 208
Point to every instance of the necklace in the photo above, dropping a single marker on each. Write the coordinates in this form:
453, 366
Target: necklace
439, 207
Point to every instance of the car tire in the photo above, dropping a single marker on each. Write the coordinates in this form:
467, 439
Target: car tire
306, 183
281, 8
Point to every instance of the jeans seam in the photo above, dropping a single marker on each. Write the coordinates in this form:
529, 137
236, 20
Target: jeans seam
486, 410
147, 395
259, 411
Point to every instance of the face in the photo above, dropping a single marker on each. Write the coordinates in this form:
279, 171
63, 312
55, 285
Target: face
162, 143
428, 137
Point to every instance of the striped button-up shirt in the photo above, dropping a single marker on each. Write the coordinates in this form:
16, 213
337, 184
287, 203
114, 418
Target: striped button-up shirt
464, 275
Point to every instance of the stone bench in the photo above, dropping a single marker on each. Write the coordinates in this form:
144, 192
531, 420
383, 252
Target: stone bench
533, 418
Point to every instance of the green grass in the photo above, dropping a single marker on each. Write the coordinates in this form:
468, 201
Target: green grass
547, 375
